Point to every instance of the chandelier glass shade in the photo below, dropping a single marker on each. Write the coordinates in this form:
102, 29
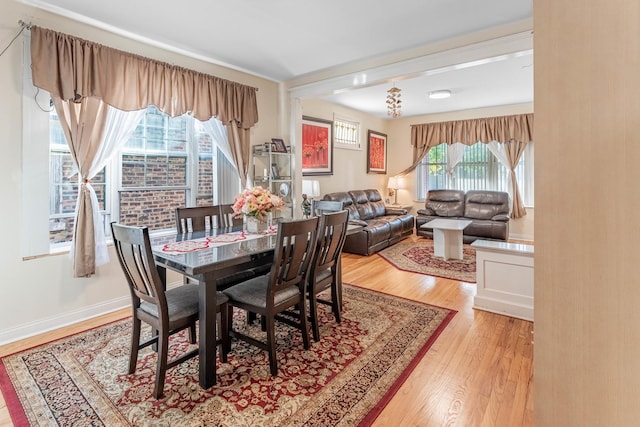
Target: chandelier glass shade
394, 102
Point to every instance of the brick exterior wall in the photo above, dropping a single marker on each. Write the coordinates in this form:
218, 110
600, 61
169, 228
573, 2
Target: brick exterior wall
152, 208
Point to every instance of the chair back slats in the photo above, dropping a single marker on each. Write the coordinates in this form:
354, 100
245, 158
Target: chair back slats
136, 259
227, 216
294, 251
134, 267
200, 218
332, 233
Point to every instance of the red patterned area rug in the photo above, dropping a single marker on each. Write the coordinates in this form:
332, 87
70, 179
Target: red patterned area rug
418, 257
346, 379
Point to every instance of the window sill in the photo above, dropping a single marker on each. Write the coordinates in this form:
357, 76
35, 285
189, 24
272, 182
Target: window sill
65, 248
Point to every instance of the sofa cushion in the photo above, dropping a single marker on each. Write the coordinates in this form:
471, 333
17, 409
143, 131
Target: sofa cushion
446, 203
378, 230
486, 204
361, 200
395, 224
375, 199
488, 229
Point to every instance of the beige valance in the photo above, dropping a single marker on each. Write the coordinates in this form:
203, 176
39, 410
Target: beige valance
70, 68
517, 127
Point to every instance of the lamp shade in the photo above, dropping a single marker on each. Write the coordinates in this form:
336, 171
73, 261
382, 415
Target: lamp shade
393, 182
311, 187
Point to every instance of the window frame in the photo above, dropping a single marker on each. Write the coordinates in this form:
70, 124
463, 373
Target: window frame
339, 120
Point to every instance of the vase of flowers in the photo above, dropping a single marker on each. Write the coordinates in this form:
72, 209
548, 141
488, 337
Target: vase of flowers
256, 205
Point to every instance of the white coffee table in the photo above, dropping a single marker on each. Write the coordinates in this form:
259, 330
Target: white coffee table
447, 237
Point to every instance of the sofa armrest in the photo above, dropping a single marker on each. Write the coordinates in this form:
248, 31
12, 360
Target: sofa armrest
358, 222
426, 211
395, 211
501, 217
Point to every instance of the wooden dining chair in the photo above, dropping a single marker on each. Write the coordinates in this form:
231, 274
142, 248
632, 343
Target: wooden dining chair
318, 207
167, 312
282, 288
325, 267
199, 218
227, 216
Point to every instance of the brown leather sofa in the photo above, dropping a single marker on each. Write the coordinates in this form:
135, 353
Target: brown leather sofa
383, 226
488, 211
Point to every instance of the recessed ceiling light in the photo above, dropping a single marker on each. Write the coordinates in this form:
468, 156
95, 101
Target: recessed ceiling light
439, 94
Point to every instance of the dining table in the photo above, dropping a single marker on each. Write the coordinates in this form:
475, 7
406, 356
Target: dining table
206, 256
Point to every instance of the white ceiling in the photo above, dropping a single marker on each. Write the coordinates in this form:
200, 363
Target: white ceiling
288, 39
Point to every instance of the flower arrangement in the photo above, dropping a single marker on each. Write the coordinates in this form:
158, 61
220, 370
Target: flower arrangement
256, 202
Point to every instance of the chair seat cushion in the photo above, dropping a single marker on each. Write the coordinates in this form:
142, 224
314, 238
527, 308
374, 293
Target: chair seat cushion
182, 302
254, 292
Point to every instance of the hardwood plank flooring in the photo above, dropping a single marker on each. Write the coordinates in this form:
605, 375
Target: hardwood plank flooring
479, 371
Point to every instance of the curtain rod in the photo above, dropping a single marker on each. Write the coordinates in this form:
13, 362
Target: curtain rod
23, 25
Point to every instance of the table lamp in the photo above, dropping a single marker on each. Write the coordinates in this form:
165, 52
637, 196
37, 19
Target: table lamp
395, 183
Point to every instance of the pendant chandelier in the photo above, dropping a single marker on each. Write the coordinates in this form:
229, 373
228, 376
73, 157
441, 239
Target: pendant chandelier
393, 102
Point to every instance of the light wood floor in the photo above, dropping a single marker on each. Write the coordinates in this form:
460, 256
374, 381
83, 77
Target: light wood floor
477, 373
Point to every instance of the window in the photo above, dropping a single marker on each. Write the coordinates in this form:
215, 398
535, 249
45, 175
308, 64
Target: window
346, 133
479, 169
166, 163
63, 179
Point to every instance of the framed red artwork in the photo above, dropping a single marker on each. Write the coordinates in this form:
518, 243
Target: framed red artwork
317, 146
376, 152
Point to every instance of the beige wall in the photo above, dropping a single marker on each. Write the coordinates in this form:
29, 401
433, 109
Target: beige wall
587, 339
40, 293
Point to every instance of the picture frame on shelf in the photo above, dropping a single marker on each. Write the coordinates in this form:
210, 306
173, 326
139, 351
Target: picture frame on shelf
278, 145
376, 152
317, 146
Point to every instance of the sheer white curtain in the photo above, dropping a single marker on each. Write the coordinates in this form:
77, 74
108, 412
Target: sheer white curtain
455, 152
118, 128
508, 154
218, 131
225, 189
497, 149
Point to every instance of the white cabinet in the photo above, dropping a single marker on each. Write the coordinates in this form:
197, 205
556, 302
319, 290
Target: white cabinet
504, 273
273, 170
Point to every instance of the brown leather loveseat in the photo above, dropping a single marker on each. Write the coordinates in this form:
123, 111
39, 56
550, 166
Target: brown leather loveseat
488, 211
383, 226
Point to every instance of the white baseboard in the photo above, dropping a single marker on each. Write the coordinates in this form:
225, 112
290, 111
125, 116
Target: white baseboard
55, 322
65, 319
516, 236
